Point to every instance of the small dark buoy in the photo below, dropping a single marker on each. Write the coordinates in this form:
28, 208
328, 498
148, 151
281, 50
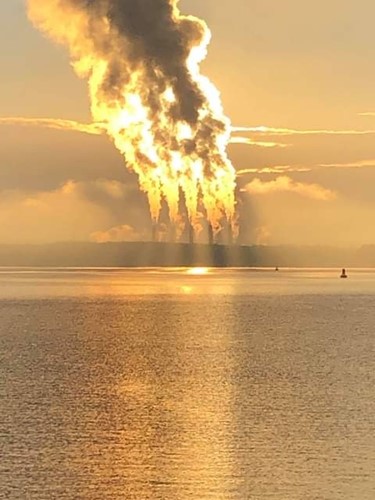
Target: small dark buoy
276, 269
343, 274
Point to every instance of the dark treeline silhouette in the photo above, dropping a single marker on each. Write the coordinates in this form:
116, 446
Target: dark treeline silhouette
144, 254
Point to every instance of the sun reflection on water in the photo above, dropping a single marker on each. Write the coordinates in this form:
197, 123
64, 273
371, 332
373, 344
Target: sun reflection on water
198, 271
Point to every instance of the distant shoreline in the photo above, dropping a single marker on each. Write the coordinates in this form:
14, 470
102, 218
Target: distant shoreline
169, 255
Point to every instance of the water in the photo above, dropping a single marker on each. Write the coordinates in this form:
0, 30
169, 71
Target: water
153, 384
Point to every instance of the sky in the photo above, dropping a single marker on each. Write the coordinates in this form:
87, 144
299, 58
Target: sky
297, 81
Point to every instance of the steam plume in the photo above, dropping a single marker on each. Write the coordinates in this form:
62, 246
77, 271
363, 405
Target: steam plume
142, 58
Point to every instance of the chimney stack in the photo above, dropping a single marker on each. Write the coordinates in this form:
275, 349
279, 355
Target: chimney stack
210, 234
172, 233
154, 232
191, 234
230, 234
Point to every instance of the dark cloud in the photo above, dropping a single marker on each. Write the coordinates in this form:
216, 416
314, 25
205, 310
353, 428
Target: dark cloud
150, 36
145, 33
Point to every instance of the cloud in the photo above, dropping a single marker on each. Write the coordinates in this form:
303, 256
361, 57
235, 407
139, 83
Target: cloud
73, 211
99, 129
276, 169
262, 235
124, 232
354, 164
280, 169
289, 132
261, 144
286, 184
100, 189
367, 113
55, 123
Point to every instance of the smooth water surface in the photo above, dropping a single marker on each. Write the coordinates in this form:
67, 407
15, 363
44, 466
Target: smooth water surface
181, 384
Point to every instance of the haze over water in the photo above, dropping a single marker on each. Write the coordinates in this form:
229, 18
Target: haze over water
155, 384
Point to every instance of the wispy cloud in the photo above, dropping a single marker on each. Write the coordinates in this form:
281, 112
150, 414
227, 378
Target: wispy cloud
275, 169
355, 164
286, 184
281, 169
55, 123
260, 144
276, 131
98, 129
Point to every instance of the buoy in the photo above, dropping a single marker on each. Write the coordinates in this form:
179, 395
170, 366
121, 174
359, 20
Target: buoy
343, 274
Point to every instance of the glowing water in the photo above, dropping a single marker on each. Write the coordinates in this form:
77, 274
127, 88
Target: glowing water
169, 385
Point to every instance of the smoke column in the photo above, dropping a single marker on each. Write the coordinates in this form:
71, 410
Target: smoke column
142, 61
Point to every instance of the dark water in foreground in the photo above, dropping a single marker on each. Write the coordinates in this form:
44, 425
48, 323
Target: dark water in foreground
166, 385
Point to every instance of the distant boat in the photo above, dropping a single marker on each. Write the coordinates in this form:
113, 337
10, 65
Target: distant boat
276, 269
343, 274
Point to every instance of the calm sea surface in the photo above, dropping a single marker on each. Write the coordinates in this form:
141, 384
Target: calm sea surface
168, 385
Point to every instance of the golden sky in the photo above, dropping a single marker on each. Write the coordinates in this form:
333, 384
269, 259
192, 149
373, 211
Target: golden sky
296, 78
